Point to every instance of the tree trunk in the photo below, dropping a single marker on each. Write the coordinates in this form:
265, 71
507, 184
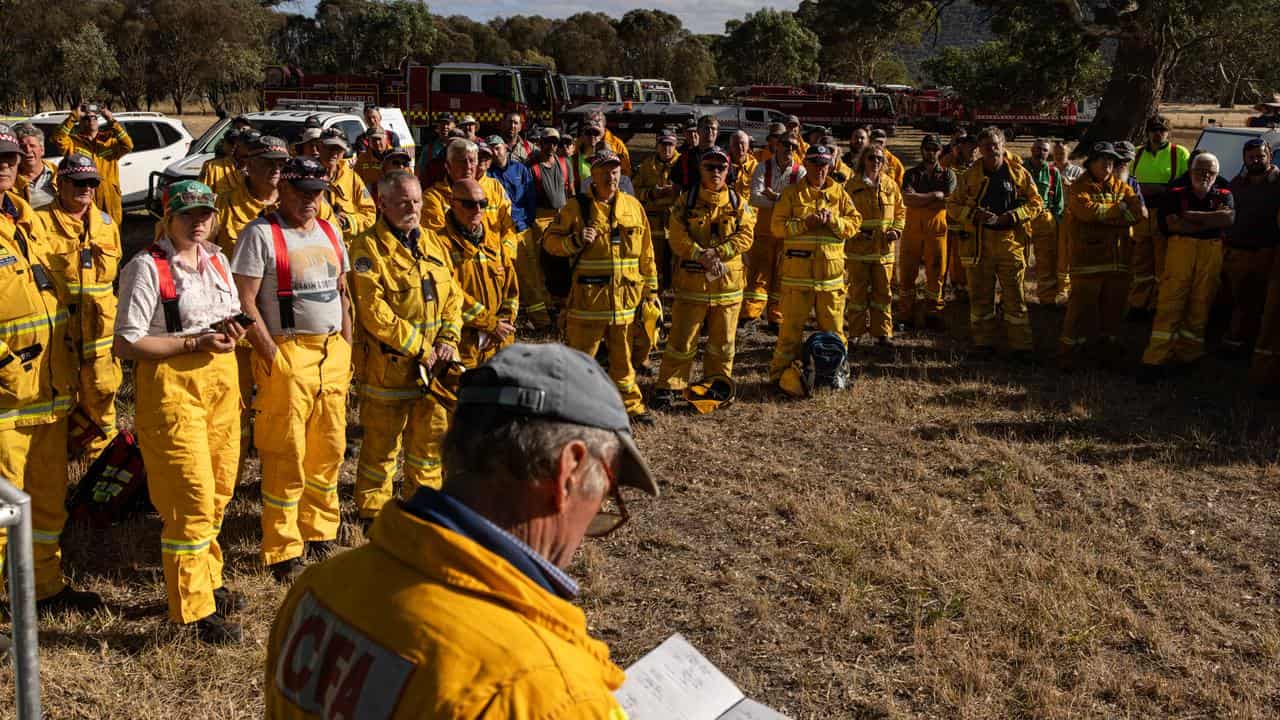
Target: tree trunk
1134, 91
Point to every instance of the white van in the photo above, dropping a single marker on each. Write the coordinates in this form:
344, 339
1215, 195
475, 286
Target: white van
1227, 144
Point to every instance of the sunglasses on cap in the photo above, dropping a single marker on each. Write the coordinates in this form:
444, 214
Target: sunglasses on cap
468, 203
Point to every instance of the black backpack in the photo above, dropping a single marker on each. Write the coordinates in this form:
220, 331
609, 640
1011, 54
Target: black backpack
558, 271
825, 362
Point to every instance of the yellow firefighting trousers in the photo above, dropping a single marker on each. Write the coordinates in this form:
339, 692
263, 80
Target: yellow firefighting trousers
389, 414
1002, 259
188, 421
1095, 311
34, 459
586, 335
924, 243
868, 306
762, 295
99, 382
682, 342
1052, 254
301, 416
1149, 251
797, 302
529, 277
1188, 285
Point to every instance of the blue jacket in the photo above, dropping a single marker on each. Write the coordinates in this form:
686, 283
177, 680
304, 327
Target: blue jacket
517, 180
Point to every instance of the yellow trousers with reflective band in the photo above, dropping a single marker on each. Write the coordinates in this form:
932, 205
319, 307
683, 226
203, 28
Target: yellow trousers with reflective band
924, 243
1095, 311
762, 295
1265, 367
1149, 249
828, 309
1001, 260
389, 414
868, 306
34, 459
682, 342
188, 422
586, 335
301, 412
1052, 255
1192, 273
99, 382
529, 276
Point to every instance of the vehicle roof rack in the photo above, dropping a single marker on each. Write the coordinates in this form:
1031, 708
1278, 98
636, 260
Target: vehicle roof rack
355, 108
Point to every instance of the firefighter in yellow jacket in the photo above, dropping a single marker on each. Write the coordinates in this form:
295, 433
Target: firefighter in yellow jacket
993, 200
814, 218
1103, 209
86, 252
349, 203
253, 194
410, 309
869, 253
105, 145
709, 232
37, 383
459, 606
743, 163
462, 162
611, 252
485, 273
656, 191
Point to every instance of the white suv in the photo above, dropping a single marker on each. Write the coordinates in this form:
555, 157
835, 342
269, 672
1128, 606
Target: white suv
157, 141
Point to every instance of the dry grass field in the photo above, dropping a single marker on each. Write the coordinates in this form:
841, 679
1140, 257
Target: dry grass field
949, 538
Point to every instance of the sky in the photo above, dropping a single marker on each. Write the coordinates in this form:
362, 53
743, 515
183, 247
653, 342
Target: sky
697, 15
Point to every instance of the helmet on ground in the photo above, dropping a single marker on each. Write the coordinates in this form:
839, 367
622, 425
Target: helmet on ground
792, 381
711, 394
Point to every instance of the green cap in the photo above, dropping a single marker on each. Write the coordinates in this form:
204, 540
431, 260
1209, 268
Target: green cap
187, 195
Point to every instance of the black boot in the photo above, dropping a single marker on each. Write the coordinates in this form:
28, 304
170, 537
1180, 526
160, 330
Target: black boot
286, 571
217, 630
227, 601
68, 599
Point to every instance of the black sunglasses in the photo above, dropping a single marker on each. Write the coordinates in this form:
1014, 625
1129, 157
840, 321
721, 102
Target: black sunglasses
470, 204
87, 182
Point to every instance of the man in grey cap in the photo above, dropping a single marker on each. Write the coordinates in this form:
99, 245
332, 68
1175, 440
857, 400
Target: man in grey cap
460, 599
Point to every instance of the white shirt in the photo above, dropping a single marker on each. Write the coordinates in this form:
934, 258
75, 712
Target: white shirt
205, 296
781, 178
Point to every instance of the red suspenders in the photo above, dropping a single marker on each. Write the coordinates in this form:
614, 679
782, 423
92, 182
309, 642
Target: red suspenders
284, 276
169, 291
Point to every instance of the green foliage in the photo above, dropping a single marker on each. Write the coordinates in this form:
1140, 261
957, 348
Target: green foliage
85, 60
855, 50
768, 47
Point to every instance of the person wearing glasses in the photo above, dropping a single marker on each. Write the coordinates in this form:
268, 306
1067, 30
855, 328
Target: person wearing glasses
484, 272
86, 245
994, 200
82, 133
253, 193
869, 254
461, 599
178, 324
780, 170
290, 269
1194, 218
709, 229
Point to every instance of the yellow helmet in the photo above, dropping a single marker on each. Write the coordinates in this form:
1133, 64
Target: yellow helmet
792, 381
714, 392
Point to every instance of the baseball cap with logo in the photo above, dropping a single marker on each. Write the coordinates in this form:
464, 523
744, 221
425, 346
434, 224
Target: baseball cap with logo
374, 132
556, 382
397, 154
714, 153
78, 167
1104, 149
1126, 151
483, 148
818, 155
187, 195
334, 136
495, 141
305, 173
268, 147
605, 157
8, 141
308, 135
667, 136
549, 133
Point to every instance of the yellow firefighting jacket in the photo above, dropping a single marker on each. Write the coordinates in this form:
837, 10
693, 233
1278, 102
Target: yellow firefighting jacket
111, 144
615, 144
613, 273
1100, 238
882, 210
497, 216
653, 174
351, 202
894, 167
714, 221
369, 169
451, 631
813, 258
38, 366
744, 172
485, 273
88, 259
970, 194
217, 171
405, 303
236, 208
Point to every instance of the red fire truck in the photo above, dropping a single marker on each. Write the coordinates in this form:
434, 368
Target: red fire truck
838, 106
941, 110
487, 92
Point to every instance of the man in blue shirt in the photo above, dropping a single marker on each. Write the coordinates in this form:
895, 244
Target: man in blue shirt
517, 180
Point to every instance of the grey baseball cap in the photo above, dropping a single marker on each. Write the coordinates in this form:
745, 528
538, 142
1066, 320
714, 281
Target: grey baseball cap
557, 382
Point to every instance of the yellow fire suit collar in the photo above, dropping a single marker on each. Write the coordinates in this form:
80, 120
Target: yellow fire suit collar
450, 559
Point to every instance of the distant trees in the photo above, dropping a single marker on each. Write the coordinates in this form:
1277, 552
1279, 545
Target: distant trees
768, 47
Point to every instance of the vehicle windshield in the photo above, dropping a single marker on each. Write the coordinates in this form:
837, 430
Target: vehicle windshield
1228, 147
536, 90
